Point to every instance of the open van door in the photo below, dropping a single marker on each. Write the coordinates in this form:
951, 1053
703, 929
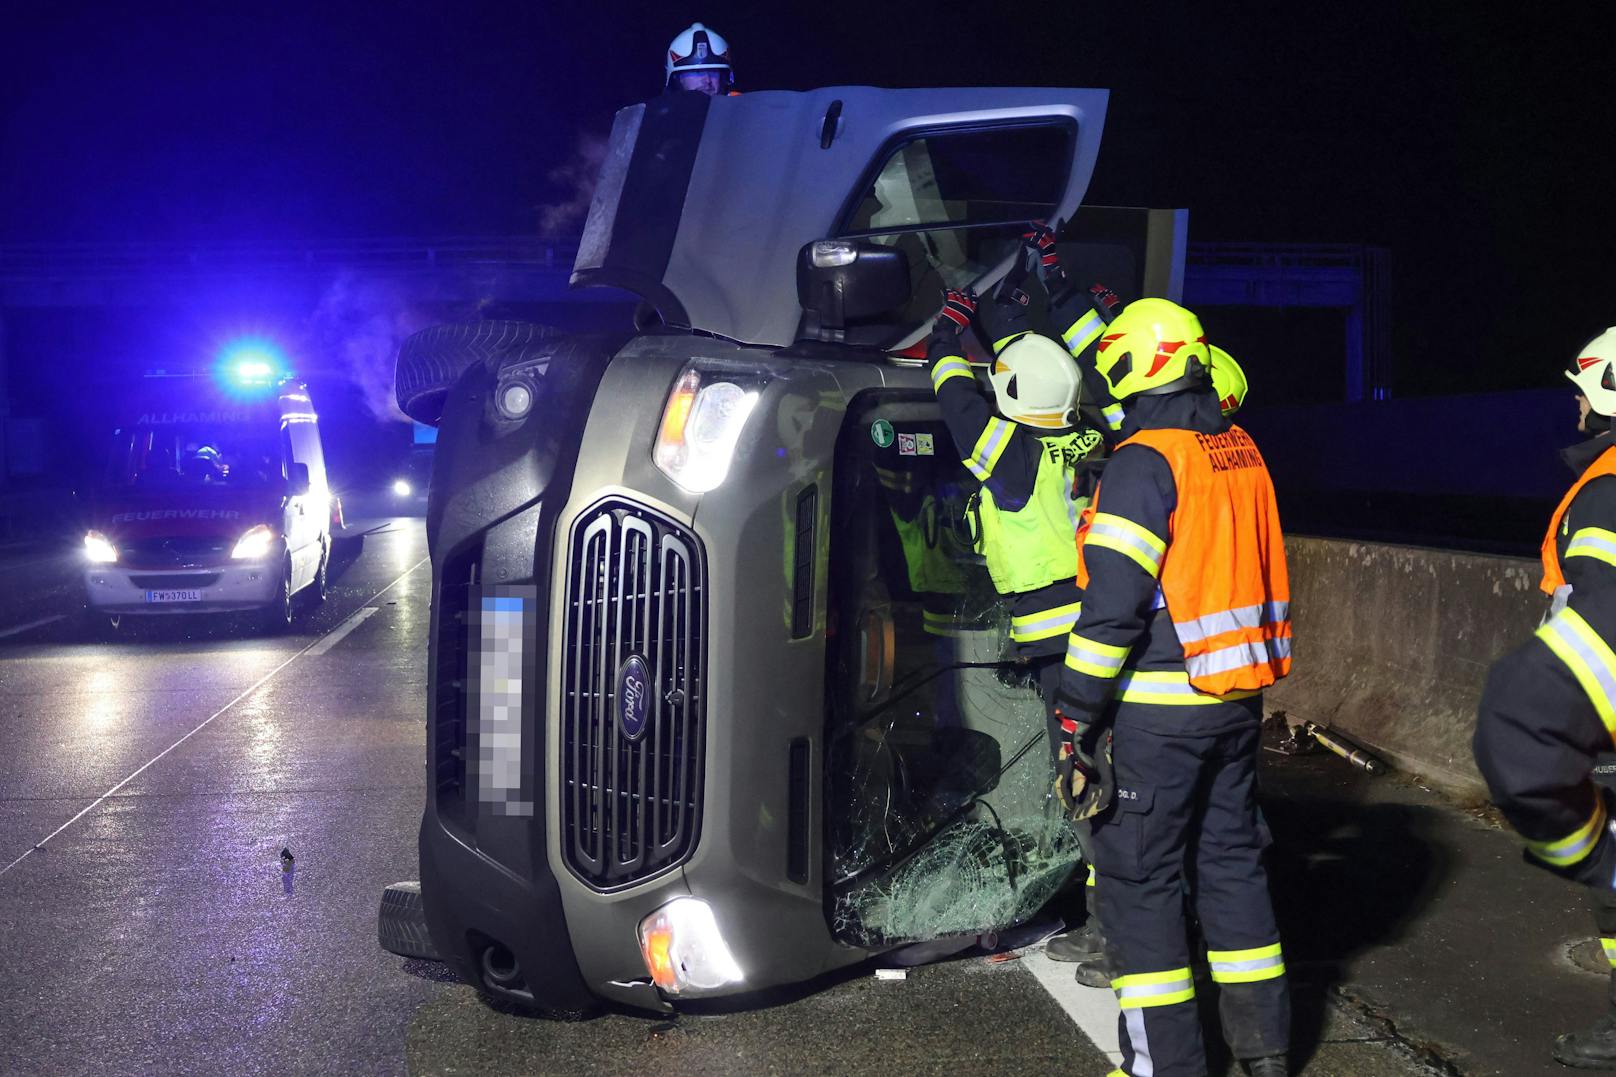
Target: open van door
703, 203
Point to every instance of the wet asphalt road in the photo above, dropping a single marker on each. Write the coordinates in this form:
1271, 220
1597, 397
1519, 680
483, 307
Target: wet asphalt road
154, 930
158, 933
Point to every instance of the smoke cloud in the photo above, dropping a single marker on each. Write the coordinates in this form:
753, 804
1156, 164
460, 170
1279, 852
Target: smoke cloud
357, 327
576, 175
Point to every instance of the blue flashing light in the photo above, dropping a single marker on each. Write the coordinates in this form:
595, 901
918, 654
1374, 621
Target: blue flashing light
252, 364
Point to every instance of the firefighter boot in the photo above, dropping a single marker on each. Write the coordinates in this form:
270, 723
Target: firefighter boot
1095, 972
1085, 943
1592, 1048
1271, 1066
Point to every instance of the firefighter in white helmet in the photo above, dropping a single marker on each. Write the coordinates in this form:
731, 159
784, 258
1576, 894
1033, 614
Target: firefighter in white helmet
1549, 707
1027, 447
698, 61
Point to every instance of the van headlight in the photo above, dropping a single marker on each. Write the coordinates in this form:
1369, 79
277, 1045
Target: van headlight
254, 545
701, 424
683, 949
98, 549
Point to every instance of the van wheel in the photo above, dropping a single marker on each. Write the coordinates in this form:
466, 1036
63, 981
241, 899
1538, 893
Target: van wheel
277, 616
319, 589
433, 359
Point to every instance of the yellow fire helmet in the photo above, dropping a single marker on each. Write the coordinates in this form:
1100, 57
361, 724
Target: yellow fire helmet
1149, 347
1228, 381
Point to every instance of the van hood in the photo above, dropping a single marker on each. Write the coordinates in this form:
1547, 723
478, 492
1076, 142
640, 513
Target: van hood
124, 515
702, 204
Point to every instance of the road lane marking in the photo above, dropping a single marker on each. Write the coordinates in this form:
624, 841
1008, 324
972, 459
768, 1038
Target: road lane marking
337, 634
1092, 1009
259, 683
31, 625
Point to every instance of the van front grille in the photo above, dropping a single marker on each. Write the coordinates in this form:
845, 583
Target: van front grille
457, 585
632, 775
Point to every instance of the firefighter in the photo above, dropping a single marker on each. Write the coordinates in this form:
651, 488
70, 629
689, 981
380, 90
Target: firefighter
698, 61
1027, 458
1549, 706
1185, 620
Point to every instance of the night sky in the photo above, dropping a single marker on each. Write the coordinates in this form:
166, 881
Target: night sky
1479, 151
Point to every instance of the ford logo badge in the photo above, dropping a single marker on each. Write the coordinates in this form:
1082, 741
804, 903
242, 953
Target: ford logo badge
633, 697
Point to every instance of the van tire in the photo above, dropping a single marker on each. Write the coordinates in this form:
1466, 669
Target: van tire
401, 923
276, 618
319, 587
432, 360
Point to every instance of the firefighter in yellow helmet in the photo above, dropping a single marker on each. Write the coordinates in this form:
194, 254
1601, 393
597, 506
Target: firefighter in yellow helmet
1228, 380
1185, 620
1549, 707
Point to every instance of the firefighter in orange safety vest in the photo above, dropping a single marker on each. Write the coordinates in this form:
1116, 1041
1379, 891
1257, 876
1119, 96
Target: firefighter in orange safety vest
1185, 619
1549, 707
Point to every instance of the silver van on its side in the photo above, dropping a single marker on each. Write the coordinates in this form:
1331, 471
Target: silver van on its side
719, 691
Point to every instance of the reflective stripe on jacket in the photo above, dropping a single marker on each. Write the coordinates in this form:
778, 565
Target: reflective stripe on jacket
1222, 571
1591, 542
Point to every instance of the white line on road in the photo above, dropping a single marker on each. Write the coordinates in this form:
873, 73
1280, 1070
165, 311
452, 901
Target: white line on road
249, 690
41, 623
1092, 1009
339, 633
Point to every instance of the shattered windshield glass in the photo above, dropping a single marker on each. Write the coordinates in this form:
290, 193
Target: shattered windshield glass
941, 812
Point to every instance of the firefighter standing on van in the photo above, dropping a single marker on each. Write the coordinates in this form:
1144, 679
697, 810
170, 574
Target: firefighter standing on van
1185, 620
1549, 706
698, 61
1027, 458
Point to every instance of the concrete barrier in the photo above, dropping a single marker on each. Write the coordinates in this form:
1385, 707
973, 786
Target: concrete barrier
1393, 644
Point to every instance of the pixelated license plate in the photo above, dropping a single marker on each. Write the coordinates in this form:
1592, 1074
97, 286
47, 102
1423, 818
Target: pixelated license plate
503, 663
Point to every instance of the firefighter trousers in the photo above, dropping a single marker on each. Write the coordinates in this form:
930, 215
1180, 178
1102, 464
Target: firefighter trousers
1186, 812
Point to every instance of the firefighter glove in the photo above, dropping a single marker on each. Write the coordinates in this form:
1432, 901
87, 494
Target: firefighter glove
1040, 240
1085, 779
959, 307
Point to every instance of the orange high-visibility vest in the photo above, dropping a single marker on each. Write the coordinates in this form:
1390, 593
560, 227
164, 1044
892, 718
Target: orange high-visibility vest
1553, 576
1223, 574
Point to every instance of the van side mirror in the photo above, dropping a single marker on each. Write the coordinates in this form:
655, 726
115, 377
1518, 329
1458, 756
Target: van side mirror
297, 481
846, 280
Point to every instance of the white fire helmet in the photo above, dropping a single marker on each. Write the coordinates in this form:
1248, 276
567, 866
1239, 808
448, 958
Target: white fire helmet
1593, 370
698, 49
1037, 383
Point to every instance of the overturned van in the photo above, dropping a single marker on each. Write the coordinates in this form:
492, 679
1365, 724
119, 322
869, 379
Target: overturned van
720, 697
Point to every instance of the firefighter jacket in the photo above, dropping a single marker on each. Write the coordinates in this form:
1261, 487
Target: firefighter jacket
1025, 515
1187, 607
1549, 707
1080, 316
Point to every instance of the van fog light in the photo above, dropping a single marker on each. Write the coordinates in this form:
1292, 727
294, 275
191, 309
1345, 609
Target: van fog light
683, 949
515, 400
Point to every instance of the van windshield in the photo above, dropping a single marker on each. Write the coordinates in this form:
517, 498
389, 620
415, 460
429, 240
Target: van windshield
190, 454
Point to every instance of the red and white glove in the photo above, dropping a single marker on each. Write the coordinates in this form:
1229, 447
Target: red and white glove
959, 307
1040, 237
